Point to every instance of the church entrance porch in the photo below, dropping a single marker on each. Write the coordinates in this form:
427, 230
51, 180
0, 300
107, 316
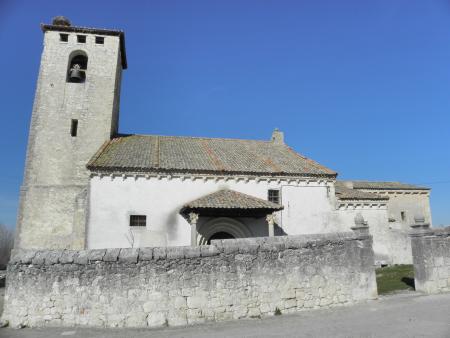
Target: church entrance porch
229, 214
220, 235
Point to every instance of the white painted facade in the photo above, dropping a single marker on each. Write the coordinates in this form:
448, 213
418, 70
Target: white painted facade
308, 207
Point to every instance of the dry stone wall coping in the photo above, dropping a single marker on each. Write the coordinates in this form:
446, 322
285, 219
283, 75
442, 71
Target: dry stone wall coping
134, 255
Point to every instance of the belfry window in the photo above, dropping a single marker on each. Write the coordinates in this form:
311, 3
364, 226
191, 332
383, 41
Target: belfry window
81, 38
99, 40
63, 37
77, 68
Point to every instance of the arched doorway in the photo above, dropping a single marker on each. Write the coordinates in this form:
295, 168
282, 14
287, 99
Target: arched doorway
220, 235
222, 226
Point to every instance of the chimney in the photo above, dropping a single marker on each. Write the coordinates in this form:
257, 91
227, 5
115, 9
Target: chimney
277, 136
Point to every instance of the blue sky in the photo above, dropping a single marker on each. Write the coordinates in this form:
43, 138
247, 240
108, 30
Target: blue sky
362, 87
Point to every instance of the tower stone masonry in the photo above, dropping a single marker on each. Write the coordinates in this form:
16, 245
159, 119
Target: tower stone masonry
75, 111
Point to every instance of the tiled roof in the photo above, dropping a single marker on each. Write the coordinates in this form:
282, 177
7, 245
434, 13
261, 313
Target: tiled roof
345, 193
385, 185
230, 199
203, 155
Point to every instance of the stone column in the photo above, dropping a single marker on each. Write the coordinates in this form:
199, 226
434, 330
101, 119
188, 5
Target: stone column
425, 279
361, 227
271, 221
193, 218
367, 255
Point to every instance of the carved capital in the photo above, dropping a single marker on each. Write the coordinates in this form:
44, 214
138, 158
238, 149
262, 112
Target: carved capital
270, 219
193, 218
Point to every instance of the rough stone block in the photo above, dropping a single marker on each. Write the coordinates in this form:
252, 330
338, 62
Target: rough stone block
145, 254
52, 257
192, 251
156, 319
159, 253
197, 302
96, 255
128, 255
111, 255
27, 256
136, 319
176, 252
39, 258
209, 250
67, 256
81, 257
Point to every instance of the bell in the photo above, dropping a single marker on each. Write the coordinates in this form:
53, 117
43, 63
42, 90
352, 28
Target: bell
75, 74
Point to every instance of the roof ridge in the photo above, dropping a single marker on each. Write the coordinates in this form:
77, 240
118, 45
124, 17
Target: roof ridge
195, 137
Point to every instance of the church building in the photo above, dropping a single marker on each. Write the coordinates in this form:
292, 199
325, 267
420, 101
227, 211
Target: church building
88, 186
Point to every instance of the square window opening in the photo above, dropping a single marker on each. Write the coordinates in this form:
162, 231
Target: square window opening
81, 38
99, 40
138, 220
274, 196
63, 37
74, 128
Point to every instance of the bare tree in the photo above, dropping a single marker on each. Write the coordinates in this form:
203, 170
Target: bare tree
6, 245
130, 237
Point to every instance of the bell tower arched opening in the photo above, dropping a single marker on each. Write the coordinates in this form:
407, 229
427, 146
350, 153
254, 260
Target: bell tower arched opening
77, 68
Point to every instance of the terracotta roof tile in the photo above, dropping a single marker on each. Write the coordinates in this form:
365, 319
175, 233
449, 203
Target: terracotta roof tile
345, 193
230, 199
369, 185
203, 155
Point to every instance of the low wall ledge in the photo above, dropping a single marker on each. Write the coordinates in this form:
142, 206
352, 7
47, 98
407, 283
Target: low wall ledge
217, 247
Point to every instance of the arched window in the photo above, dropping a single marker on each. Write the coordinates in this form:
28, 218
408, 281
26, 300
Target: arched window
77, 68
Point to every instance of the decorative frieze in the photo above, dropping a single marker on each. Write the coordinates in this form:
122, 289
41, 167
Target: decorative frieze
282, 180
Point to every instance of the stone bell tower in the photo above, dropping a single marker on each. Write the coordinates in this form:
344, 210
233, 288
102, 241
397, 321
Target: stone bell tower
76, 109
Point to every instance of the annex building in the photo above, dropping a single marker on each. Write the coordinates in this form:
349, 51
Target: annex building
88, 186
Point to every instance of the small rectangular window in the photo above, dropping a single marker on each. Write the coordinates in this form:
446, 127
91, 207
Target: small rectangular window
403, 214
138, 221
81, 38
74, 128
99, 40
274, 196
63, 37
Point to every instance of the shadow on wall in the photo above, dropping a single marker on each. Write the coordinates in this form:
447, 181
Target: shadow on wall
278, 231
6, 245
172, 222
409, 281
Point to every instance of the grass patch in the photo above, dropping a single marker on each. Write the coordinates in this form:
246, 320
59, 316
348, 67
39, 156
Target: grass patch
395, 278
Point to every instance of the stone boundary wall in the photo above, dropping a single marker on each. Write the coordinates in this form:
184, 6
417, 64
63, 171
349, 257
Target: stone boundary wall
431, 257
151, 287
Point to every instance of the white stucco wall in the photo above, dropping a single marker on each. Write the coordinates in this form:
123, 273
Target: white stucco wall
391, 245
377, 219
309, 207
412, 203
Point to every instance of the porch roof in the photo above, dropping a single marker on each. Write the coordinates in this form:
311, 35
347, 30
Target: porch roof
230, 202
